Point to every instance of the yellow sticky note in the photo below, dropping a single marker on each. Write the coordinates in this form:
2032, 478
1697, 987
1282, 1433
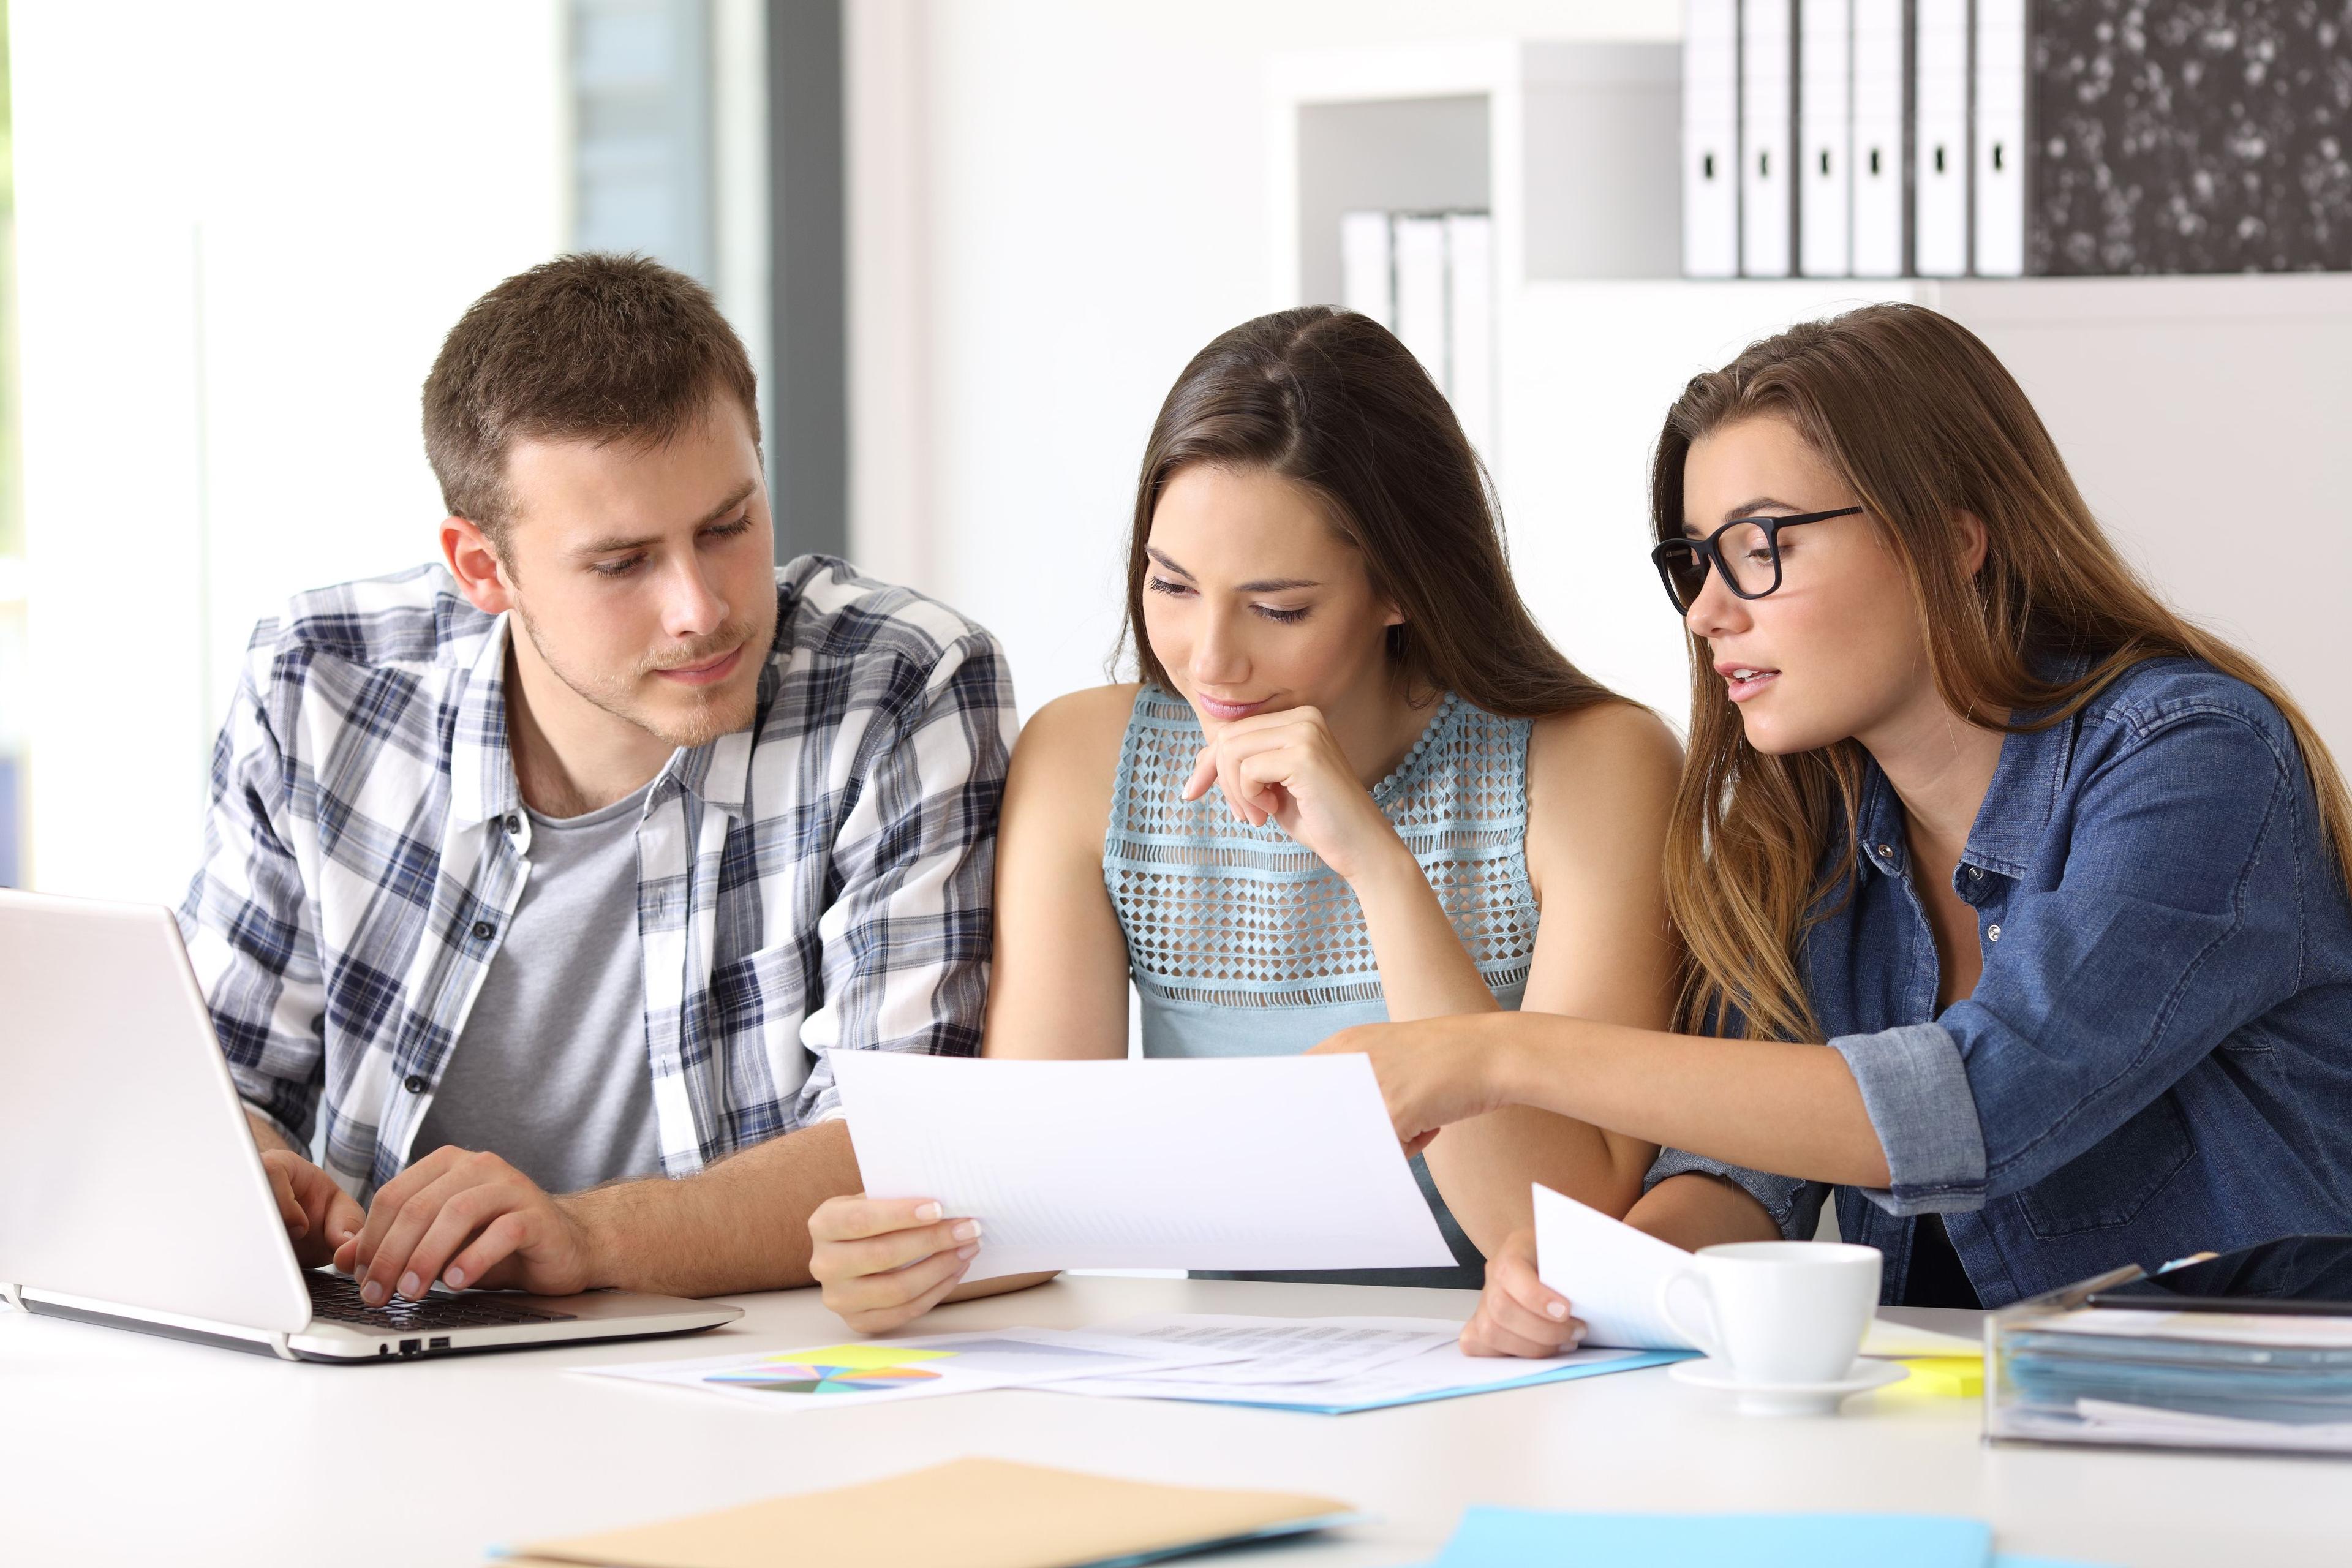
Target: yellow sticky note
860, 1358
1945, 1376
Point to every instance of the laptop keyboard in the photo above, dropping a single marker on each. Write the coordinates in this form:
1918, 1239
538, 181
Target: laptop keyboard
336, 1298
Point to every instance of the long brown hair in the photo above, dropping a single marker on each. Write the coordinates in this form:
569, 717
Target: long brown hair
1331, 401
1920, 419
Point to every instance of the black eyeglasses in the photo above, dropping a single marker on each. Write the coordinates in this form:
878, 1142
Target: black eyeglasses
1747, 551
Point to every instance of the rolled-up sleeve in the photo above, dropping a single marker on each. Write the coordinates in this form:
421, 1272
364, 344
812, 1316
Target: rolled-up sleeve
1915, 1089
1794, 1205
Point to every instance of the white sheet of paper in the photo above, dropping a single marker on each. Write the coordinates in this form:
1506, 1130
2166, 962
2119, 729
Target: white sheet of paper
1894, 1340
885, 1371
1252, 1163
1438, 1367
2219, 1328
1609, 1271
1286, 1351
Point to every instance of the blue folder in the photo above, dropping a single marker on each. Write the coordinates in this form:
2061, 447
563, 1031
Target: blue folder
1492, 1537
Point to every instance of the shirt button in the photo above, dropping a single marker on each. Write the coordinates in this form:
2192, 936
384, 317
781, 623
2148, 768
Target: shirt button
1885, 853
1975, 873
415, 1084
514, 823
484, 931
1992, 933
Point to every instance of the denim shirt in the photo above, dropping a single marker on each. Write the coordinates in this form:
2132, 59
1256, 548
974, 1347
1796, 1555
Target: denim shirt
2157, 1058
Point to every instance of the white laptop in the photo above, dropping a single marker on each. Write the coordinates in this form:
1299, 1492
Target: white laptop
131, 1191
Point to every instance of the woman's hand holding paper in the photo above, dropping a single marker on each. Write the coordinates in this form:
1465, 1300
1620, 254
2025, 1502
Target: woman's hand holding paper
1517, 1313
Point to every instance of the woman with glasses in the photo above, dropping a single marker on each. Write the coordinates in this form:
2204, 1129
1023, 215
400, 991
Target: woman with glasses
1354, 783
2014, 904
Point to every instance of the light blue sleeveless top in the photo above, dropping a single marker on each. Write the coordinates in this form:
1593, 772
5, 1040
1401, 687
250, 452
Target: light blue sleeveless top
1242, 943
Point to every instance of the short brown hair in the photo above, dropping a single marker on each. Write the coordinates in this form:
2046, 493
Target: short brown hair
590, 346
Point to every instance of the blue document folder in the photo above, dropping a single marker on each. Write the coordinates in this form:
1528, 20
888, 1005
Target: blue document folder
1493, 1537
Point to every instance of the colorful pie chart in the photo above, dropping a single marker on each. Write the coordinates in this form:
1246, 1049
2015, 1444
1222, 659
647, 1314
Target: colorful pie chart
822, 1377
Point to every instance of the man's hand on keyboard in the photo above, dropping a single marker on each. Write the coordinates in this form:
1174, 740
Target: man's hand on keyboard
469, 1219
319, 1215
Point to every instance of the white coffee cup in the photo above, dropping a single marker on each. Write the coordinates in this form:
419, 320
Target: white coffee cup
1778, 1312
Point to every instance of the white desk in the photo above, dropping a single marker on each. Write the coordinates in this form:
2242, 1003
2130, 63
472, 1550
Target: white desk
120, 1448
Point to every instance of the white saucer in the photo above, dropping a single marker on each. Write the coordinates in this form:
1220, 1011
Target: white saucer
1789, 1398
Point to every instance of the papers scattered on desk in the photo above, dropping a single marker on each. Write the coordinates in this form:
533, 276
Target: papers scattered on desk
1283, 1351
1259, 1163
1331, 1366
1492, 1537
884, 1371
1338, 1366
969, 1513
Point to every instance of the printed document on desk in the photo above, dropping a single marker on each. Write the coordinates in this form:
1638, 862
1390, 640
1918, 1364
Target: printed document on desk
1282, 1352
1433, 1367
885, 1371
1254, 1162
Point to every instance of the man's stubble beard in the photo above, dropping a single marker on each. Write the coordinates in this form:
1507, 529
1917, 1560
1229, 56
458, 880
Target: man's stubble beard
715, 710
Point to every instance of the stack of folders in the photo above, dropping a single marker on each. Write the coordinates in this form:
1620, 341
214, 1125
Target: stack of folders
2250, 1350
1429, 278
1831, 138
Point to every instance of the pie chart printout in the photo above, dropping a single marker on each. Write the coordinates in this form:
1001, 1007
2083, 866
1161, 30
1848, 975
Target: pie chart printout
807, 1377
836, 1369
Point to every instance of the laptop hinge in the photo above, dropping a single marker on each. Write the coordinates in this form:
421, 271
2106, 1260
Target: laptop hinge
12, 1294
282, 1347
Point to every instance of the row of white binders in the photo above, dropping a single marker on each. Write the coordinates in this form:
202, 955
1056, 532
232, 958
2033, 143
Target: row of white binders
1854, 138
1429, 278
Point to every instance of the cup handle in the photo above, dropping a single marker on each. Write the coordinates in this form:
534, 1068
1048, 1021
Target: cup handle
1711, 1342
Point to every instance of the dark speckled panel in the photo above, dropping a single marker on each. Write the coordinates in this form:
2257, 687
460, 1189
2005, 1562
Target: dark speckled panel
2196, 137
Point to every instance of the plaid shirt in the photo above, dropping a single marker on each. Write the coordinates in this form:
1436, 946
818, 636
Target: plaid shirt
821, 881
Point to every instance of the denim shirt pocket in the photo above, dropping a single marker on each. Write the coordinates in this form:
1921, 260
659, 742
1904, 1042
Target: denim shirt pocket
2109, 1183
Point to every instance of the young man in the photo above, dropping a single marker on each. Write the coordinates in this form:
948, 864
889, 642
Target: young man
537, 884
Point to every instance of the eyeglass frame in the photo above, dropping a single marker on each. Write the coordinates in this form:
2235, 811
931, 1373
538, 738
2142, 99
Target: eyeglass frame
1711, 554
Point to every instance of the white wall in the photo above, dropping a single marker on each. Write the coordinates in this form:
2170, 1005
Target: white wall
1055, 204
2203, 418
243, 231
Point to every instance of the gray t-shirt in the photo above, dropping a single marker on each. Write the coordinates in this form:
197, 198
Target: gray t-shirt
550, 1071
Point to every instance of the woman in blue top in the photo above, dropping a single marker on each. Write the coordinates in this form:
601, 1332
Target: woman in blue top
1355, 783
2058, 878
